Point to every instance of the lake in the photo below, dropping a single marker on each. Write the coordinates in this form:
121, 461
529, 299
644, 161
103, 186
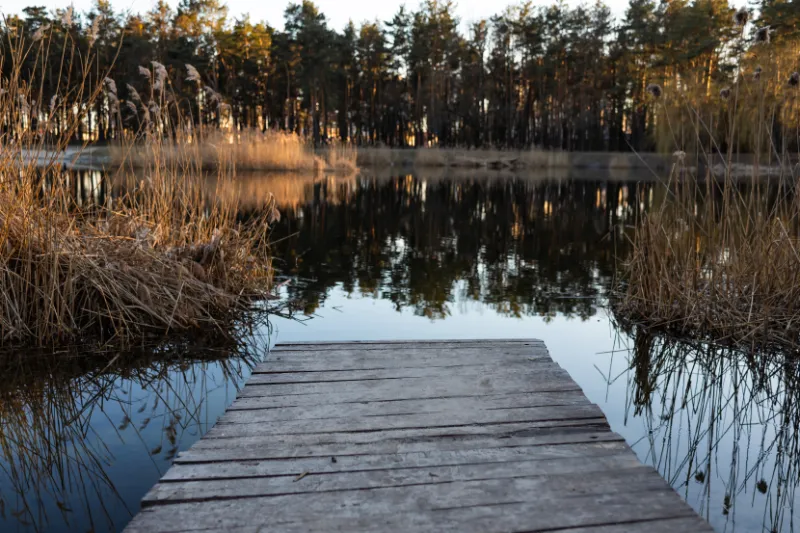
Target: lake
414, 257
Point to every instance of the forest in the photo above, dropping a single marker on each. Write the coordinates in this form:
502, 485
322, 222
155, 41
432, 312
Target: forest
555, 77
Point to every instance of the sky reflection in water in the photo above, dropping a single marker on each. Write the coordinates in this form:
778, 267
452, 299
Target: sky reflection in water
411, 258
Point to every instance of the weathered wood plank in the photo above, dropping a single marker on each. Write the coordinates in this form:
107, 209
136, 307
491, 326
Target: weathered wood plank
297, 446
467, 505
424, 436
435, 405
407, 356
330, 463
315, 482
289, 366
266, 419
470, 385
229, 431
520, 359
431, 496
392, 345
268, 400
274, 378
499, 524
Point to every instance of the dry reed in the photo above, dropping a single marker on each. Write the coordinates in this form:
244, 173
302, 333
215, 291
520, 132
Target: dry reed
725, 269
720, 259
163, 255
248, 149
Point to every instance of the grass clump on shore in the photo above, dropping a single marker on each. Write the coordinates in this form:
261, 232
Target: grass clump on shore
719, 261
162, 254
250, 149
729, 275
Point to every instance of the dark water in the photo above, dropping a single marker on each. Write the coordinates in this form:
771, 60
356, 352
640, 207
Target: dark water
412, 257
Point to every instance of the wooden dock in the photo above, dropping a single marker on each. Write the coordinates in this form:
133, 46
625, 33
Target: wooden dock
461, 436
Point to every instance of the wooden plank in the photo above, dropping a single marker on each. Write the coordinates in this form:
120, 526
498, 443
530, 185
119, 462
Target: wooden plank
267, 400
435, 405
325, 445
291, 365
440, 364
523, 418
317, 482
424, 436
539, 501
499, 524
237, 431
265, 418
470, 385
412, 342
456, 494
273, 378
437, 343
329, 463
430, 354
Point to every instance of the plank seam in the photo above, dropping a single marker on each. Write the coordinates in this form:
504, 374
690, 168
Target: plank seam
545, 391
621, 452
568, 418
261, 368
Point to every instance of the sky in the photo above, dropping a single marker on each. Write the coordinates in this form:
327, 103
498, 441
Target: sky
338, 12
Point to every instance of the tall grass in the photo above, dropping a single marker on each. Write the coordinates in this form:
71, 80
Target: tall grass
720, 260
159, 256
250, 149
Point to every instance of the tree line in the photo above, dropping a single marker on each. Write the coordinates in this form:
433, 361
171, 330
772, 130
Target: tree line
555, 77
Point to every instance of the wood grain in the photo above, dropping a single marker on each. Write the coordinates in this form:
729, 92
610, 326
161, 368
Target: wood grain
421, 436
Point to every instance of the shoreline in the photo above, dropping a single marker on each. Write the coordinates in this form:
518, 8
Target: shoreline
98, 157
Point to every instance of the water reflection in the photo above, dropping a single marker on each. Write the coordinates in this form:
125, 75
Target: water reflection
721, 428
84, 436
482, 255
522, 247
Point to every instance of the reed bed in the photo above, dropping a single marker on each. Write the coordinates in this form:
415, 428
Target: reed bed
161, 255
723, 268
719, 260
247, 150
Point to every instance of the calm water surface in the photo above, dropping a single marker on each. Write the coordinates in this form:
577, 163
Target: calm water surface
416, 257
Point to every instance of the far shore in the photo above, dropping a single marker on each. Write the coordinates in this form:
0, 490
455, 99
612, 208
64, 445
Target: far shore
97, 157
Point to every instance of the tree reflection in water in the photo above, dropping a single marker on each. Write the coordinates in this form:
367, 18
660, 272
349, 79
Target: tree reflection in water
722, 427
83, 436
524, 246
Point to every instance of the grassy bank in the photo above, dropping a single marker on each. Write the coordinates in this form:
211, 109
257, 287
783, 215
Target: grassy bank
162, 255
644, 165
